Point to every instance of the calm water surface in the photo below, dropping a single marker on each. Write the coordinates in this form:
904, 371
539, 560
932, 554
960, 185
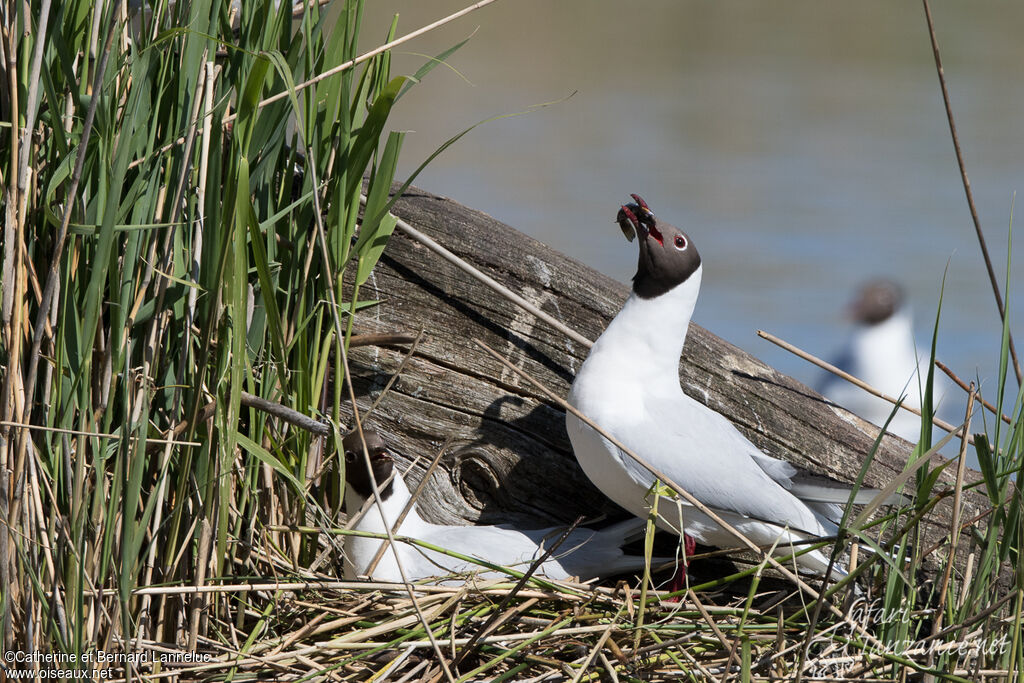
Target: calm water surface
803, 146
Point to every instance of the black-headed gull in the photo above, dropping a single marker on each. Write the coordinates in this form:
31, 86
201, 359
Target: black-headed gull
629, 385
585, 553
881, 351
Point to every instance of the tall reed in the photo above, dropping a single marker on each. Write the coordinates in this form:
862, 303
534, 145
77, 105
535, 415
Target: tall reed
171, 240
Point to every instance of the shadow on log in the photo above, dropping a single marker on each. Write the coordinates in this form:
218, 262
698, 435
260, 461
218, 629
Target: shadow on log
509, 459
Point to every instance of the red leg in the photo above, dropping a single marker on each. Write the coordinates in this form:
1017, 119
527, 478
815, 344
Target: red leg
679, 580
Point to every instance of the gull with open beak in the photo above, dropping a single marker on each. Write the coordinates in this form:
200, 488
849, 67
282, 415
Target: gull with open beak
629, 385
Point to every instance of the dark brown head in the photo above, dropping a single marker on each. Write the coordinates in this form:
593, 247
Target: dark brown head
876, 302
356, 474
667, 256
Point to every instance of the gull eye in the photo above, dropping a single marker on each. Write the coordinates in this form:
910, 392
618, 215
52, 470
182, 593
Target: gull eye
680, 242
350, 457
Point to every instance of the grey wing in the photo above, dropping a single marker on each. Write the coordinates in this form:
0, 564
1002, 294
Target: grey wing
708, 456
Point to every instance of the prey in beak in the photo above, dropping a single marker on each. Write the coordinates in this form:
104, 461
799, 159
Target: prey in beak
638, 219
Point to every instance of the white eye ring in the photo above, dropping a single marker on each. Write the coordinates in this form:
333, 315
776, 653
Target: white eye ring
680, 242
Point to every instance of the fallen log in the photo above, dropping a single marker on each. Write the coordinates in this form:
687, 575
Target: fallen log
508, 457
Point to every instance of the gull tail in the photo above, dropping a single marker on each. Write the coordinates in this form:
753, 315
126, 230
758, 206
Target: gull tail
814, 488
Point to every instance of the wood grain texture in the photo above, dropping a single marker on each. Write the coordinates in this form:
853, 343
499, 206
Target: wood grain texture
510, 458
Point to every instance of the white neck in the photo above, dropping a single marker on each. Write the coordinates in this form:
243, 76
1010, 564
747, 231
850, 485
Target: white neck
650, 333
885, 355
896, 330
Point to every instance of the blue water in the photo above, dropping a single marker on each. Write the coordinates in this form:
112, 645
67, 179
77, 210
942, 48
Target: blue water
803, 146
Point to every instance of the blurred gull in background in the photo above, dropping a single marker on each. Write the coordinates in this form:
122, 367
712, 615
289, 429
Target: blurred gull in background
881, 351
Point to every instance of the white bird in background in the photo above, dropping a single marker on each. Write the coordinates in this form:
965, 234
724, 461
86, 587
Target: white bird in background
881, 351
629, 385
585, 553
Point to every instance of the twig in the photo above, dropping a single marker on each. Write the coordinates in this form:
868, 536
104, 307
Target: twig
510, 637
285, 413
248, 400
99, 435
393, 665
353, 520
336, 70
971, 621
708, 676
322, 585
594, 651
385, 339
967, 186
412, 672
369, 55
609, 667
954, 530
717, 631
557, 626
397, 373
853, 380
963, 385
473, 645
489, 281
961, 526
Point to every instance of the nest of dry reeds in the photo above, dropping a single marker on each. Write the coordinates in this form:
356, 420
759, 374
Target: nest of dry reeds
498, 631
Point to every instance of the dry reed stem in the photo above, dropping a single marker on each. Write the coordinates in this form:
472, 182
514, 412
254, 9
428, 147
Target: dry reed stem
487, 280
942, 424
370, 502
31, 111
26, 384
714, 627
594, 651
76, 177
954, 525
12, 402
953, 538
497, 617
371, 54
202, 94
77, 432
227, 120
397, 373
383, 339
967, 185
968, 389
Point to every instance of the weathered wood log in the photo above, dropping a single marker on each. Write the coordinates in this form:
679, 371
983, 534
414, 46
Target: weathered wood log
509, 459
